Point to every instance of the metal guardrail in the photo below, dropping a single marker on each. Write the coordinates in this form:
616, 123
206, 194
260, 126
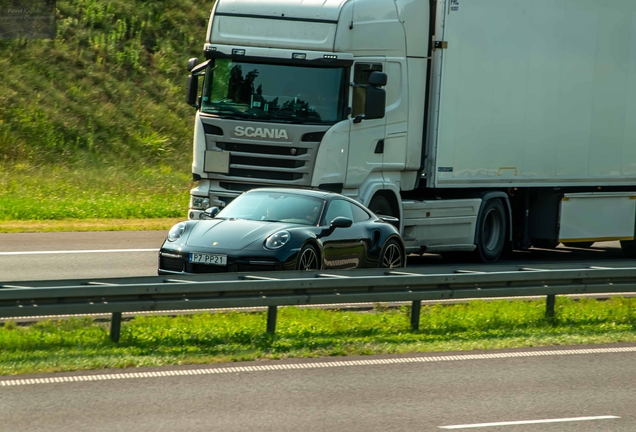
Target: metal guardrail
273, 289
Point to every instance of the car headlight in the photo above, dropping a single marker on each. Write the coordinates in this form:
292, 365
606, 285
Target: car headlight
176, 231
277, 240
199, 203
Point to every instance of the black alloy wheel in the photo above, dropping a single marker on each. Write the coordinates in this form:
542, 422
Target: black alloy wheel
392, 255
308, 258
491, 231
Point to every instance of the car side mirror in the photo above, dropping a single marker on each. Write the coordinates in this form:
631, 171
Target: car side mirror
341, 222
211, 212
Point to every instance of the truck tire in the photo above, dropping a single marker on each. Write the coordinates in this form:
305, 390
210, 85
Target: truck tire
380, 205
490, 235
629, 248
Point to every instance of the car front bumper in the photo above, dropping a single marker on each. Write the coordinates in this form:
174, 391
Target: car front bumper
173, 262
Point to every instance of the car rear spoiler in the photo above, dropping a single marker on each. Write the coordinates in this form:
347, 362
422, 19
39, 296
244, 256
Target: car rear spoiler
390, 219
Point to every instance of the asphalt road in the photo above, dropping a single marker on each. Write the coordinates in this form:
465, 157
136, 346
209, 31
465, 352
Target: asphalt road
515, 390
48, 256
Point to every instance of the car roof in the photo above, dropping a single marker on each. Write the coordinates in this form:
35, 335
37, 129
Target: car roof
307, 192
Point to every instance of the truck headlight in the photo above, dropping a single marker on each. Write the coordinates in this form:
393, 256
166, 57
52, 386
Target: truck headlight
277, 240
199, 203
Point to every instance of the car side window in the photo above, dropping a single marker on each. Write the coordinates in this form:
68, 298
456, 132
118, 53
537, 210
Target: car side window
359, 214
337, 208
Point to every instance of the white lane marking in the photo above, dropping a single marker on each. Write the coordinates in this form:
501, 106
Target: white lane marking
524, 422
77, 251
316, 365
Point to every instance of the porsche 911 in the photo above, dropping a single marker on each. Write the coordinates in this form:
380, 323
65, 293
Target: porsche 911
283, 229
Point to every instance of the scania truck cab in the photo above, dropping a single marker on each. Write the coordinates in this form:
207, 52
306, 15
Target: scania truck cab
481, 125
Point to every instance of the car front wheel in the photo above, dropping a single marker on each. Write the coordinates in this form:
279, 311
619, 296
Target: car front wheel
308, 258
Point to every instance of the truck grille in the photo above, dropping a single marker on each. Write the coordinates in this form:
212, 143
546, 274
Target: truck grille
269, 164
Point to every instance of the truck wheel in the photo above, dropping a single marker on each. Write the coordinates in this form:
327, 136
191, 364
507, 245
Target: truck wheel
629, 248
380, 206
584, 245
491, 231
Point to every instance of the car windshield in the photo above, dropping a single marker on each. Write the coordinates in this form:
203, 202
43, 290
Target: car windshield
274, 207
277, 93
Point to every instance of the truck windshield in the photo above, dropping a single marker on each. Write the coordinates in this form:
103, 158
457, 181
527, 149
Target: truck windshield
266, 92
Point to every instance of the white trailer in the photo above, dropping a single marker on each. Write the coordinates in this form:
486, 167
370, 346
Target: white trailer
504, 123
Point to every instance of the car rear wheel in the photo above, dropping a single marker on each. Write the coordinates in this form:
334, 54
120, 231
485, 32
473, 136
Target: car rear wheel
392, 255
308, 258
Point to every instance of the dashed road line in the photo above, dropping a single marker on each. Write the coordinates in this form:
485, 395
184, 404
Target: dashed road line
527, 422
311, 365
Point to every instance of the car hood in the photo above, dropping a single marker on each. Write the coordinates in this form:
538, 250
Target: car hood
231, 233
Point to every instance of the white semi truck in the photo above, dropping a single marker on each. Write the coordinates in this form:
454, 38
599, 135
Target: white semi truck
482, 125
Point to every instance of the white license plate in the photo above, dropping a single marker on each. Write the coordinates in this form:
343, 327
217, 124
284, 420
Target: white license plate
201, 258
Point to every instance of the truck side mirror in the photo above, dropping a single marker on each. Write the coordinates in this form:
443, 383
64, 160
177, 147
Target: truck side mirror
375, 105
192, 63
377, 79
192, 89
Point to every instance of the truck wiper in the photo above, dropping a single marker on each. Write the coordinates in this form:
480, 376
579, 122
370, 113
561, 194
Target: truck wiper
285, 119
230, 114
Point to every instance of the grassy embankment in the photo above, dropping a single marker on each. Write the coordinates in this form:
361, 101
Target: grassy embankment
82, 344
94, 132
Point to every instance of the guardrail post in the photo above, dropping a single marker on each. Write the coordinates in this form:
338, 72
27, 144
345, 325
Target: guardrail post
549, 306
415, 314
271, 319
115, 327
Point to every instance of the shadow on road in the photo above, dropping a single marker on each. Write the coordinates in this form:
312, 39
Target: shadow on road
600, 254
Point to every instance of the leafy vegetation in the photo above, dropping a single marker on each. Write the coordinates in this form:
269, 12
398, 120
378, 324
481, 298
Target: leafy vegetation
93, 122
80, 344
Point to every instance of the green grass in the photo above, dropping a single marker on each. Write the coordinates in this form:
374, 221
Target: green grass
108, 89
111, 192
81, 344
93, 123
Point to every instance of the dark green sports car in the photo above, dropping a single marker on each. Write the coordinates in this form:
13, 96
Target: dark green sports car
283, 229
